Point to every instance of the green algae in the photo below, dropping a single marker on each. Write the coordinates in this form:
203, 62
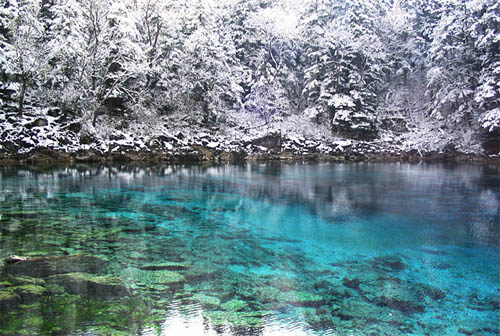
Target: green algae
364, 311
234, 305
168, 266
87, 277
105, 286
31, 290
33, 322
24, 280
152, 277
268, 294
233, 319
202, 270
206, 300
7, 297
302, 298
4, 284
124, 317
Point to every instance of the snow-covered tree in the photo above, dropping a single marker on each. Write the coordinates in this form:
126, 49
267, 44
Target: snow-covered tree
268, 49
465, 66
346, 64
486, 32
23, 53
344, 69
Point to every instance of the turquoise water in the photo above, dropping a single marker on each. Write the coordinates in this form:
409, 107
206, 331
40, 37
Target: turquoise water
323, 249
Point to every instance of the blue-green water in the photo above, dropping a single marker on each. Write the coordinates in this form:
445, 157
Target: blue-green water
320, 249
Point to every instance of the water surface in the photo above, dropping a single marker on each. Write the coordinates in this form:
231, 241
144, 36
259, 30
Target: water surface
323, 249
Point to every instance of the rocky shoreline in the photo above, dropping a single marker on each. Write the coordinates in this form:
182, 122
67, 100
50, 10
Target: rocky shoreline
36, 140
198, 153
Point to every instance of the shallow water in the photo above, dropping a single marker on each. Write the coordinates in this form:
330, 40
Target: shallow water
321, 249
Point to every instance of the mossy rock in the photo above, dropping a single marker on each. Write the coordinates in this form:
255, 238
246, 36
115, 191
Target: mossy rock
5, 284
52, 265
360, 310
202, 271
56, 289
268, 294
398, 295
283, 284
152, 277
206, 300
12, 226
24, 280
86, 284
388, 263
234, 305
33, 322
302, 299
232, 319
168, 266
30, 293
8, 299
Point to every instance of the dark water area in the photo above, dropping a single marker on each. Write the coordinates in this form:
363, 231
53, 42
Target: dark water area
257, 249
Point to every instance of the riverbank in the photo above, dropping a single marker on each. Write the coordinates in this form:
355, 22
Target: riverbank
54, 138
357, 152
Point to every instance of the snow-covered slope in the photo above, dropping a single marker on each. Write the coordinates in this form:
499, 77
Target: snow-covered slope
241, 137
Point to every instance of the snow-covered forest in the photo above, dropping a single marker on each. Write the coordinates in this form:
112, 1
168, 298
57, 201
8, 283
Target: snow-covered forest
165, 74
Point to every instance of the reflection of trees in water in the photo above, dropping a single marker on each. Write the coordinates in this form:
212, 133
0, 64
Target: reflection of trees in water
466, 194
453, 195
485, 221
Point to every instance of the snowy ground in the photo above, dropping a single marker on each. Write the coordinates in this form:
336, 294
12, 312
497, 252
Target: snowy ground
174, 134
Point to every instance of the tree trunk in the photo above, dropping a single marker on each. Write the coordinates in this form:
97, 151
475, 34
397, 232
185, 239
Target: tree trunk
97, 112
24, 84
94, 118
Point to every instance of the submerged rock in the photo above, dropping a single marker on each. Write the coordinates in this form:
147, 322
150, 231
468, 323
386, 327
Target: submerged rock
351, 283
203, 271
12, 259
235, 320
153, 278
430, 291
170, 266
42, 267
14, 293
206, 300
303, 299
103, 287
393, 263
234, 305
268, 294
392, 293
399, 303
8, 299
30, 293
401, 296
23, 280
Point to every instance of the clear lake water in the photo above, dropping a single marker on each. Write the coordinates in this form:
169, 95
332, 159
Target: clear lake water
256, 249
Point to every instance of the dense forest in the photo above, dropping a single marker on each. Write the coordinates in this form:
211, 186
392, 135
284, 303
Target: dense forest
415, 72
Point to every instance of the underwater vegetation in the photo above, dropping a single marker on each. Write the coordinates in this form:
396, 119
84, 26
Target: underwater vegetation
145, 259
